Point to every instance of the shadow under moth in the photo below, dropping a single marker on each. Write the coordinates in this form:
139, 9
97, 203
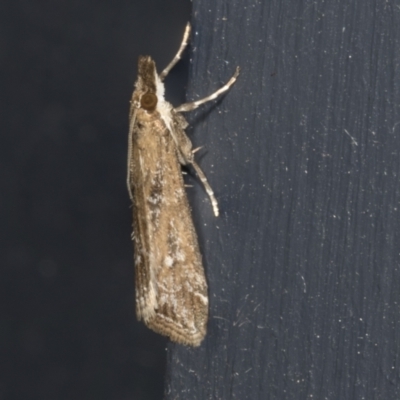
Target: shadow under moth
171, 288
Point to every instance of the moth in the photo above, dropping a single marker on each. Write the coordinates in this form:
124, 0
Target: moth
171, 287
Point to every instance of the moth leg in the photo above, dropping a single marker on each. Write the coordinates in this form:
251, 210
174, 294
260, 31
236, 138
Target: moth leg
207, 187
184, 43
205, 183
185, 155
193, 105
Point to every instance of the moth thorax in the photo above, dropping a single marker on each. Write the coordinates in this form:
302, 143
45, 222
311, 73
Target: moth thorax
148, 101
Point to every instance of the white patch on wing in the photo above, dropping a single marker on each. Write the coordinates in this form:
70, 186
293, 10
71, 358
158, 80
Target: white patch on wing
180, 256
169, 261
149, 302
204, 299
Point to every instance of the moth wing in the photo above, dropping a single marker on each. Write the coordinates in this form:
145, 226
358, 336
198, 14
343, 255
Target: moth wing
171, 289
132, 121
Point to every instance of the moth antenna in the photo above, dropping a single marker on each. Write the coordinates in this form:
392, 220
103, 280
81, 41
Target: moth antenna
178, 55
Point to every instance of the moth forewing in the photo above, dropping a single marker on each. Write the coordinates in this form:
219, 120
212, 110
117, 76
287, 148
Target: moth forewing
171, 288
132, 119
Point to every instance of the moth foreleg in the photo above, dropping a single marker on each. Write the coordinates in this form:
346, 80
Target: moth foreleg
178, 56
194, 104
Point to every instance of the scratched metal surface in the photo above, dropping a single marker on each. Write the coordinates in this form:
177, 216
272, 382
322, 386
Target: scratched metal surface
303, 264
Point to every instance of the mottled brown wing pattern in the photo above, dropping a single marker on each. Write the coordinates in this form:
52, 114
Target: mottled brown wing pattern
171, 289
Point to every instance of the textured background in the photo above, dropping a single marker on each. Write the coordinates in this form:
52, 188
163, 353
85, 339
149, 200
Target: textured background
304, 154
67, 323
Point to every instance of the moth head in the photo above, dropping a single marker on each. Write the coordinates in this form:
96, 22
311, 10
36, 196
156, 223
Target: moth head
149, 88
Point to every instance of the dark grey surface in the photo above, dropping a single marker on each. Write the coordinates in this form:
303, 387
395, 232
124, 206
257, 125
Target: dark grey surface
67, 323
303, 153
